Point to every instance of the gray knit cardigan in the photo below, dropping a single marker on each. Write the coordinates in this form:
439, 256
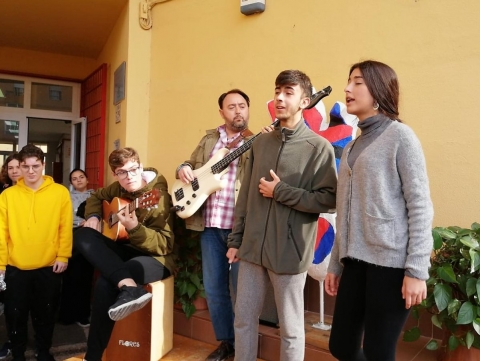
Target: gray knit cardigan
384, 211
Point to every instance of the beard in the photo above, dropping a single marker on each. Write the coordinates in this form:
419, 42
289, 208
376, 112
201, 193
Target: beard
238, 124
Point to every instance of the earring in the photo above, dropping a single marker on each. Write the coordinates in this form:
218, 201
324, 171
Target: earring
376, 106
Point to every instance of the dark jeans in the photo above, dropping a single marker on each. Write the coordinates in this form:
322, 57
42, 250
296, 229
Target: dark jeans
31, 291
115, 261
369, 303
76, 290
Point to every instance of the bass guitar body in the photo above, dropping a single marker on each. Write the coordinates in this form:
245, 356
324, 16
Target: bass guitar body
188, 198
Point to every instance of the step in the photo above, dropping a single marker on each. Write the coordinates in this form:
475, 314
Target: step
199, 327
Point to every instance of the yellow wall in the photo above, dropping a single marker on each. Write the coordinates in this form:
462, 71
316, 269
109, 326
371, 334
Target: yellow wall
46, 64
202, 48
113, 54
128, 42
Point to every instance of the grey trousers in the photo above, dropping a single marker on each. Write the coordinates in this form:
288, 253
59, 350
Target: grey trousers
288, 290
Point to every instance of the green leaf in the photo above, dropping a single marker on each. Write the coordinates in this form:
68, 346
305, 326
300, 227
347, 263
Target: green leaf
469, 339
446, 273
478, 288
436, 321
476, 325
432, 345
191, 290
471, 286
475, 257
453, 306
446, 233
466, 314
443, 295
452, 343
411, 335
475, 226
437, 240
469, 241
414, 313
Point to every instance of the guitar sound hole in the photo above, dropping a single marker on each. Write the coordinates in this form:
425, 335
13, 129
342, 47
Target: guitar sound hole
195, 185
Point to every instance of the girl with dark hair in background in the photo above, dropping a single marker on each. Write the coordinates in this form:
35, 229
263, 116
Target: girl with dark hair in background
8, 177
10, 171
381, 253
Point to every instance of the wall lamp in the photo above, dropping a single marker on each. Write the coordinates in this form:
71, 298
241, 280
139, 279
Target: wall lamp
146, 12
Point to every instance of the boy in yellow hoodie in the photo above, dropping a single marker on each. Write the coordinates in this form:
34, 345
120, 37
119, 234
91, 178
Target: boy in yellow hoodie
35, 244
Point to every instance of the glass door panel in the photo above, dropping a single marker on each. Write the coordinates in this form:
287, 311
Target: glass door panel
8, 138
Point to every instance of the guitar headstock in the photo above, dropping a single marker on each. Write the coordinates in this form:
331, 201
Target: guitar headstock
149, 199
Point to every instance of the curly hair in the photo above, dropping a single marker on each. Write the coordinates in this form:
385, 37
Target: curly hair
121, 156
4, 173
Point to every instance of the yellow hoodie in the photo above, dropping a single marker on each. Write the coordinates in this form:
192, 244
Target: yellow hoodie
35, 225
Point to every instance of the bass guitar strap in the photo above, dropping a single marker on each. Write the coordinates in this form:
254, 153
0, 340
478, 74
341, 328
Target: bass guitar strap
245, 133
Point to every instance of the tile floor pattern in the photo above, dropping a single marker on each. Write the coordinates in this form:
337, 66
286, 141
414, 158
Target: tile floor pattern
187, 349
184, 349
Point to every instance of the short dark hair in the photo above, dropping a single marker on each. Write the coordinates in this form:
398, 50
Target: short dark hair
233, 91
77, 170
121, 156
4, 173
382, 83
295, 77
31, 151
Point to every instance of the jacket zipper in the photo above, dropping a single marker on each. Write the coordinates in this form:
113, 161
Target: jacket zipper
271, 200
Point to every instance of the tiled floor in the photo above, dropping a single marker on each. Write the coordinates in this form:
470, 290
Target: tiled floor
194, 341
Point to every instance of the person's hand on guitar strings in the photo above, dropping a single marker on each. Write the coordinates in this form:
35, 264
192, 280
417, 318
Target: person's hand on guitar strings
130, 221
185, 174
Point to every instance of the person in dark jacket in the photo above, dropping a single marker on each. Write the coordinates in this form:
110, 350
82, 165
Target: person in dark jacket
290, 178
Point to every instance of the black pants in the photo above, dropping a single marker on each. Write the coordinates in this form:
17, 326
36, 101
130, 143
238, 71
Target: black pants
76, 290
36, 292
369, 303
115, 261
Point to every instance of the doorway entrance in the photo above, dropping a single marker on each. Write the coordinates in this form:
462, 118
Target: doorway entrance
44, 112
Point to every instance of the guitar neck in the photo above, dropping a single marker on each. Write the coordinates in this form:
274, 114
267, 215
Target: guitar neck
131, 207
230, 157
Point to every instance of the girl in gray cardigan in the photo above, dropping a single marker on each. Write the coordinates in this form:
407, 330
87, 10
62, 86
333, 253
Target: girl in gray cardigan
382, 248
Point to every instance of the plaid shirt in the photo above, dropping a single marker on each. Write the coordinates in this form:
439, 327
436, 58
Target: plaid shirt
220, 206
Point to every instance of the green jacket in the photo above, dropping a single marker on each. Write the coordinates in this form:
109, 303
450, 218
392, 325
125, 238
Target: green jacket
279, 233
199, 157
154, 233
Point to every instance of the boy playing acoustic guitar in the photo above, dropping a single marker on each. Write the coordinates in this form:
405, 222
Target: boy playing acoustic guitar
124, 267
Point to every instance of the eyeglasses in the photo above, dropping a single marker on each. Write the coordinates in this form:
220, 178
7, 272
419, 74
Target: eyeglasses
35, 167
122, 174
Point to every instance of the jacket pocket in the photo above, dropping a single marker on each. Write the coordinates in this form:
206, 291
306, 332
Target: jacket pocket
292, 239
380, 231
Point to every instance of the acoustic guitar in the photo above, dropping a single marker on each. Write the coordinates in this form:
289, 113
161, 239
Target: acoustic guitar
111, 227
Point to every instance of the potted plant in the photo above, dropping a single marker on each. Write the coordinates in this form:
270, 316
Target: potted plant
188, 283
453, 290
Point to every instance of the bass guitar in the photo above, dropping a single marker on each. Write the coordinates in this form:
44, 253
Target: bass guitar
188, 198
111, 227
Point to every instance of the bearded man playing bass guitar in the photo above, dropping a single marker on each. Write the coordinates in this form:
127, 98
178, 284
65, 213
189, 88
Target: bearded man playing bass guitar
215, 219
124, 267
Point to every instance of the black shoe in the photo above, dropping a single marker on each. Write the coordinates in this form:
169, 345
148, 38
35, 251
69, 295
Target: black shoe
44, 356
223, 352
129, 300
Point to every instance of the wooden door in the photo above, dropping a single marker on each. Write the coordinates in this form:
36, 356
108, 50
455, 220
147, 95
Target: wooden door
93, 107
